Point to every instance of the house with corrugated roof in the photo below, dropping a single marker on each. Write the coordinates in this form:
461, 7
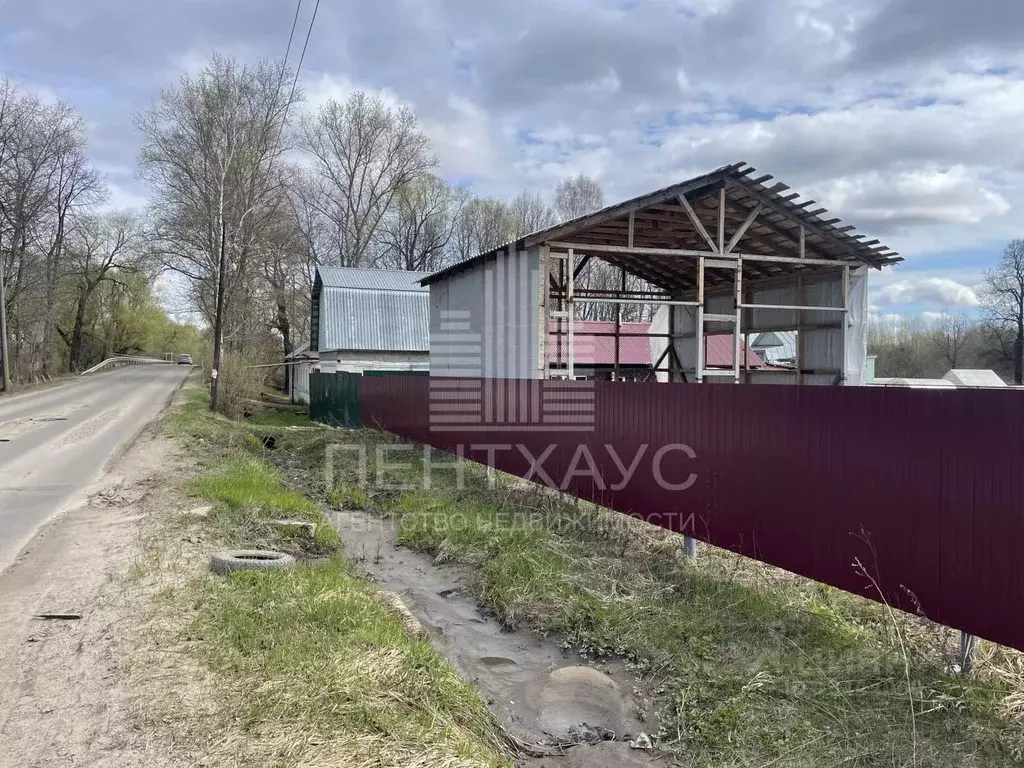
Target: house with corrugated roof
370, 320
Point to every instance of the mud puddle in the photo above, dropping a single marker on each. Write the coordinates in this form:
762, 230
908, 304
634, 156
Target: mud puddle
543, 696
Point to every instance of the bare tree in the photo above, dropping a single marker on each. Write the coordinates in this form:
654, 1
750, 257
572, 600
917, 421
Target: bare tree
101, 248
44, 179
953, 335
213, 149
1003, 299
484, 224
421, 224
365, 154
529, 213
577, 196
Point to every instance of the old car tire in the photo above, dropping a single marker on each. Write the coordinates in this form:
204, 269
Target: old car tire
250, 560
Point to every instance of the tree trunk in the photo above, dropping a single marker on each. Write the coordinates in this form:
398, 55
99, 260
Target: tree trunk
1018, 352
77, 352
284, 326
50, 319
218, 320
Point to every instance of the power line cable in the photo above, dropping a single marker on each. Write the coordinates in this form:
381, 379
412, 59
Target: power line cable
291, 35
302, 56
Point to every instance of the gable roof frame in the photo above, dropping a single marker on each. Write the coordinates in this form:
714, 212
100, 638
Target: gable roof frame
767, 230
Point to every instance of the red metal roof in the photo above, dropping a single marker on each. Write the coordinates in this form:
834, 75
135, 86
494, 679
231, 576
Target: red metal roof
633, 350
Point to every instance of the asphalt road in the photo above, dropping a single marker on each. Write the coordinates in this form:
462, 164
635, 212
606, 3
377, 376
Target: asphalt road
55, 443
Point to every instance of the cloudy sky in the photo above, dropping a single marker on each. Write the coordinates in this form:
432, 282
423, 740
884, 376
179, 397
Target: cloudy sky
902, 116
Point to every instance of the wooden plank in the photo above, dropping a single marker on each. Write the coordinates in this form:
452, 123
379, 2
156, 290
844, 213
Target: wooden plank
812, 227
698, 225
721, 220
710, 318
689, 253
629, 242
743, 228
580, 267
619, 211
796, 307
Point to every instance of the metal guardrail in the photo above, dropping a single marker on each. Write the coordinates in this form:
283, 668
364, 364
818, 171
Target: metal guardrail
114, 362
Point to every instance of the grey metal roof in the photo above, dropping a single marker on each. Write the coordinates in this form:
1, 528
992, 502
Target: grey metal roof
776, 347
966, 377
371, 279
367, 310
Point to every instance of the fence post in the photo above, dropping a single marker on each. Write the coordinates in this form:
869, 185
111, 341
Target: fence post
691, 547
967, 643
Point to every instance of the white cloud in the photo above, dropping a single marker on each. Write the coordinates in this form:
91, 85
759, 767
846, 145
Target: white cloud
937, 291
901, 116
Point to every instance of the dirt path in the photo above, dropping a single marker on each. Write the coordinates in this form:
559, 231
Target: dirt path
65, 696
543, 694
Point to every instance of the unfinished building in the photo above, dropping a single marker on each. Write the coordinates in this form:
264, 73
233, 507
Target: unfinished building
728, 252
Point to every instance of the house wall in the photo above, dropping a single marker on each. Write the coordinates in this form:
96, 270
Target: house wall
358, 361
300, 382
485, 321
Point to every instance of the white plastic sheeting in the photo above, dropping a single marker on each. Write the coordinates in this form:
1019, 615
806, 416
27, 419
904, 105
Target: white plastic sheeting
838, 350
855, 363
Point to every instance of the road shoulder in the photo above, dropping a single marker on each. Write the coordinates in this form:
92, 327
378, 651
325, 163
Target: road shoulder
68, 697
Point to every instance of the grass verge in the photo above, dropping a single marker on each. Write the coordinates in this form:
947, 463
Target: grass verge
313, 668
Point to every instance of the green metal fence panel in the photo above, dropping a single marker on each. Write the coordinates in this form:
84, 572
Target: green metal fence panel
336, 399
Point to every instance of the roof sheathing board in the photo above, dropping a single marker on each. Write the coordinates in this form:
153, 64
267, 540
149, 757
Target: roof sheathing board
774, 232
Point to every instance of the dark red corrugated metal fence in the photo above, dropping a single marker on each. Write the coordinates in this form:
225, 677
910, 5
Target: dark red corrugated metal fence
924, 488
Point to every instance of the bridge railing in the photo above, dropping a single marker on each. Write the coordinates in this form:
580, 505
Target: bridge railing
117, 362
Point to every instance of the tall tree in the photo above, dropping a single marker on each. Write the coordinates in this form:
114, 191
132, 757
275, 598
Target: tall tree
577, 196
953, 335
364, 154
103, 248
45, 180
213, 149
483, 224
421, 224
529, 213
1003, 299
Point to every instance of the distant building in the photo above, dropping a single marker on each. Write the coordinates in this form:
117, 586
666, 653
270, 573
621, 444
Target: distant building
958, 378
301, 363
370, 319
639, 352
964, 377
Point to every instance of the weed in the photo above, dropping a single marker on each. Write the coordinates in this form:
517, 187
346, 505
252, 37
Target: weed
316, 657
319, 672
248, 482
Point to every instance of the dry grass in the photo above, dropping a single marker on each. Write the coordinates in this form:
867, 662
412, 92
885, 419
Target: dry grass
301, 668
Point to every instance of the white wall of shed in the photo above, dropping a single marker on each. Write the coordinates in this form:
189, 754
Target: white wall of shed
300, 382
842, 347
485, 320
359, 361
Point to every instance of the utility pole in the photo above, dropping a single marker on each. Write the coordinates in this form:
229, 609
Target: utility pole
4, 357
